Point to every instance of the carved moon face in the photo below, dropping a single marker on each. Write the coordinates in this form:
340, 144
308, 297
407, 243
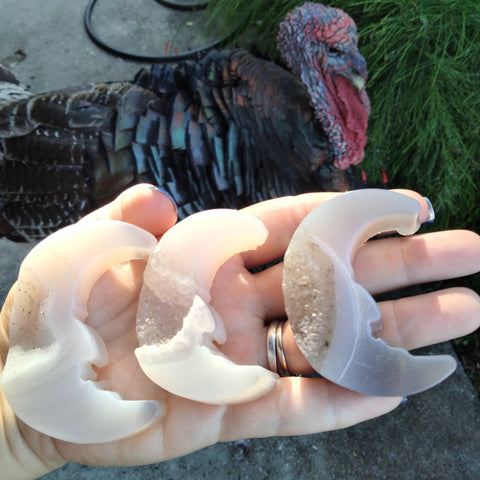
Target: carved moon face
332, 316
177, 327
48, 377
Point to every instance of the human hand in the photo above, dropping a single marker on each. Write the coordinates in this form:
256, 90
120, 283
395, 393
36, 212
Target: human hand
246, 302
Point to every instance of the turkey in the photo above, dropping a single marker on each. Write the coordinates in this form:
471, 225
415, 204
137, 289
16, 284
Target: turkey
226, 129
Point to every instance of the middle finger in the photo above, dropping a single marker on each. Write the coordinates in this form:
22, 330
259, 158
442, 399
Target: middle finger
392, 263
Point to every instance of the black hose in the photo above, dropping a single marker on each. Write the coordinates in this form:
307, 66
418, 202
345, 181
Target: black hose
184, 5
147, 58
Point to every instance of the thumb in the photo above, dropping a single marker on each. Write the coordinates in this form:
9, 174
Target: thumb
143, 205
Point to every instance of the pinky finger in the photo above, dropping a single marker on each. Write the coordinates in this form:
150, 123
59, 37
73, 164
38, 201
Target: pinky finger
430, 318
299, 406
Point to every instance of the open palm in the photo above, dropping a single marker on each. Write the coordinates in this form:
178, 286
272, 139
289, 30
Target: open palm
247, 302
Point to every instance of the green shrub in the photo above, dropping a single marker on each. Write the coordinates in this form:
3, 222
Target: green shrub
424, 87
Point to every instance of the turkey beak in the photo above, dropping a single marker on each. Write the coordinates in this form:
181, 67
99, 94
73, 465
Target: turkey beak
357, 73
357, 81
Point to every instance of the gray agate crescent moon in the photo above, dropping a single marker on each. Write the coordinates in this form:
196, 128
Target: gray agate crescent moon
332, 316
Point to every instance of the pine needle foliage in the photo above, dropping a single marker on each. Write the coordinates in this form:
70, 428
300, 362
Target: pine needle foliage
423, 59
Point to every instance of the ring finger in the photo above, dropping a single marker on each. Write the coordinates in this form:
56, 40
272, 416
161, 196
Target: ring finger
409, 323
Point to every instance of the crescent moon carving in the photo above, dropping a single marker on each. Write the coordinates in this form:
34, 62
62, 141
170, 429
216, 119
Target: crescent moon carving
332, 316
48, 378
176, 325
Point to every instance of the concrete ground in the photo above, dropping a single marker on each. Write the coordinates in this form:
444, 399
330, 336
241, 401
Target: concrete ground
435, 435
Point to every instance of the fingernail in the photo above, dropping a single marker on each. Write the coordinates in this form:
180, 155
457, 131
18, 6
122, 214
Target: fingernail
167, 193
431, 211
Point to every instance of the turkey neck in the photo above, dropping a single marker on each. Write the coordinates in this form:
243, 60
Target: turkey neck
274, 107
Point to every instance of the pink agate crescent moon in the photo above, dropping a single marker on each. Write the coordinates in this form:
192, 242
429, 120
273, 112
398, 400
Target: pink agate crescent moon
176, 325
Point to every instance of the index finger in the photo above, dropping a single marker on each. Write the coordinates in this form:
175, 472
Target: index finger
282, 216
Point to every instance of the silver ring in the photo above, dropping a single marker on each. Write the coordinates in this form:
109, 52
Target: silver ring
275, 355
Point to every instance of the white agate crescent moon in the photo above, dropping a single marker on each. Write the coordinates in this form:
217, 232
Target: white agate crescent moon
48, 378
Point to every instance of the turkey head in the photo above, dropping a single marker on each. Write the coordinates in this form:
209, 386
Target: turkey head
319, 45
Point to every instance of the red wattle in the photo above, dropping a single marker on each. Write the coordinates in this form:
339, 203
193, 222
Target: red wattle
353, 108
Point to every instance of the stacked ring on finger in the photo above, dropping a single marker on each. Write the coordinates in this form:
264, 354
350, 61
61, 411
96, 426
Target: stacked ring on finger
275, 354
